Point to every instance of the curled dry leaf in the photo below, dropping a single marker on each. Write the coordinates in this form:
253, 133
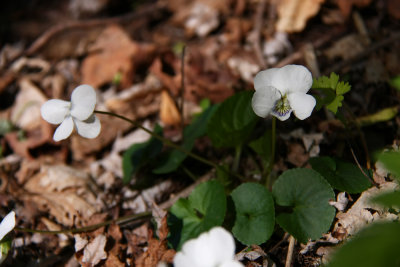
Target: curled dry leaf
363, 212
64, 192
293, 14
169, 113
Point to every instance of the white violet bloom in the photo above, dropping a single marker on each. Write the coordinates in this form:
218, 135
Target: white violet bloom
7, 224
279, 91
215, 248
78, 113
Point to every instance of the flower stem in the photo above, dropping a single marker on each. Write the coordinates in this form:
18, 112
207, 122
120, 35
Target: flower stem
238, 152
162, 139
272, 157
90, 228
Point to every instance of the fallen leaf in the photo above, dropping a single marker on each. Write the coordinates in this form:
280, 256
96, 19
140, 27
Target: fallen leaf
64, 192
94, 252
157, 249
169, 113
293, 14
114, 53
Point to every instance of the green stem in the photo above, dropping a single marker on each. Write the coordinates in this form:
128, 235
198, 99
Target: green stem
90, 228
238, 152
159, 137
272, 158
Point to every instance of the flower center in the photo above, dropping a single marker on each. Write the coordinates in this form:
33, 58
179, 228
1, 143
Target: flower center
282, 106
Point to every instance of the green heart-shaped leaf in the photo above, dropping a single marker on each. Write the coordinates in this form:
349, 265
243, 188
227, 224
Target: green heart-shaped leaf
341, 175
204, 209
255, 214
303, 196
233, 121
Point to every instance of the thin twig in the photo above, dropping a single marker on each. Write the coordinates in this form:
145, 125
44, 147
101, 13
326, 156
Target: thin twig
289, 255
182, 91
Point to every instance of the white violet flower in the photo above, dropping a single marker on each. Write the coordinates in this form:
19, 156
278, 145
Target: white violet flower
78, 113
279, 91
215, 248
6, 225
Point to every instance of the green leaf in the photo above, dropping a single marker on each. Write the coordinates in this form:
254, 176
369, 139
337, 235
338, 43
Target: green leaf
335, 104
389, 200
390, 160
173, 158
376, 245
395, 82
233, 121
262, 146
139, 154
342, 88
204, 209
255, 214
324, 85
303, 195
341, 175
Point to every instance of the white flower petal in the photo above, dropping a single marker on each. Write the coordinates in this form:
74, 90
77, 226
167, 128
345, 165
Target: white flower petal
265, 78
7, 224
282, 117
64, 130
89, 128
55, 110
293, 79
264, 100
83, 101
210, 249
221, 244
302, 104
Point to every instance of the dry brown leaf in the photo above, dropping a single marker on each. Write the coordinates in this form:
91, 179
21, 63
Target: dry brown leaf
64, 192
346, 5
293, 14
157, 249
169, 113
94, 252
114, 53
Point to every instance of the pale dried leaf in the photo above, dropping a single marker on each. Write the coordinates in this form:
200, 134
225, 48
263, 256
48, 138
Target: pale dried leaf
361, 213
94, 251
341, 201
80, 242
26, 110
293, 14
65, 192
